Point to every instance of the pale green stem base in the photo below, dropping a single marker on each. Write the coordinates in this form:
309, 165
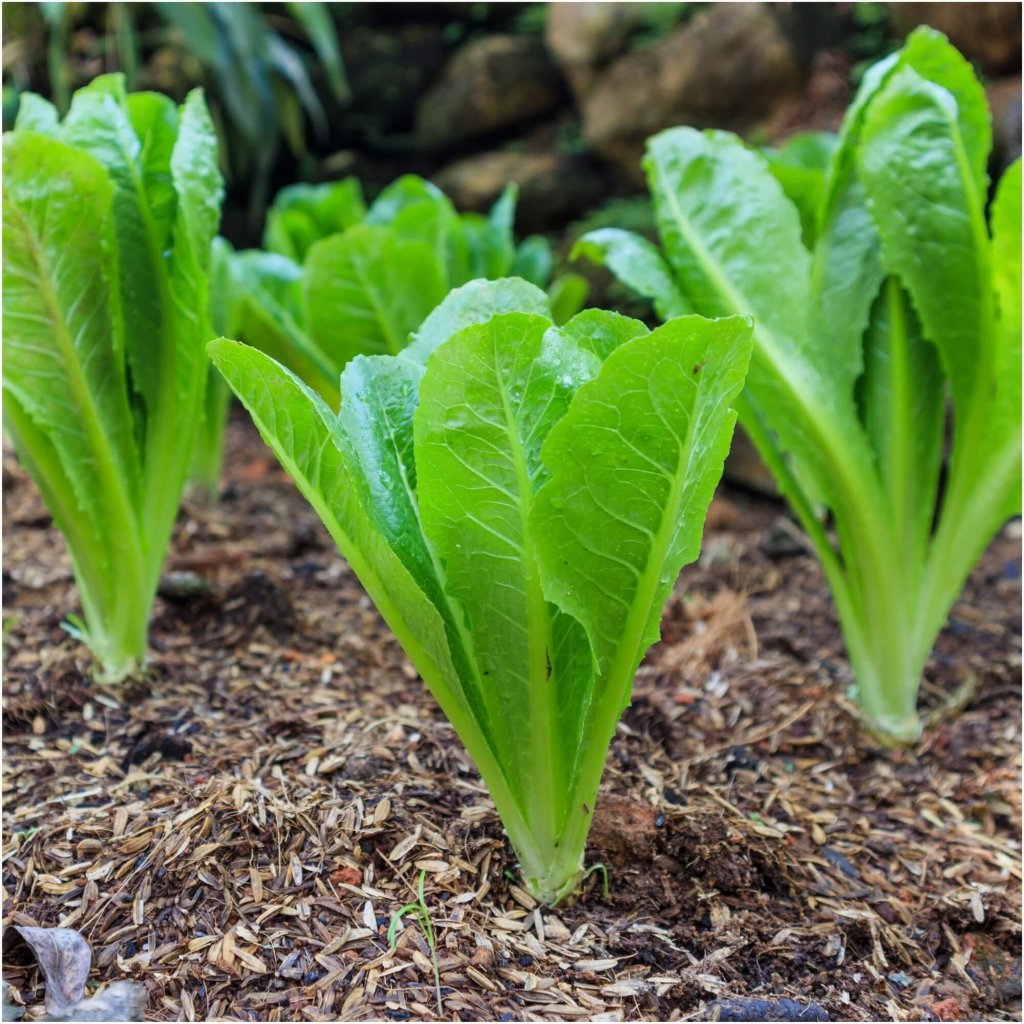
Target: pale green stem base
120, 648
208, 451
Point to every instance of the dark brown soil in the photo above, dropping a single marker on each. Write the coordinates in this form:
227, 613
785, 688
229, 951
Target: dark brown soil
236, 832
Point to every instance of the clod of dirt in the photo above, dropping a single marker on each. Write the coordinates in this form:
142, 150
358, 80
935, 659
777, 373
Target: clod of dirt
763, 1009
948, 1009
623, 832
708, 852
167, 744
259, 601
996, 972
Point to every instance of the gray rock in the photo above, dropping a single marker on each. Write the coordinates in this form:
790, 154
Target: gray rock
1005, 100
728, 68
989, 33
491, 84
582, 36
553, 186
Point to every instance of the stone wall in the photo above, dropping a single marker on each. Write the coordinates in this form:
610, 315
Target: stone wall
561, 97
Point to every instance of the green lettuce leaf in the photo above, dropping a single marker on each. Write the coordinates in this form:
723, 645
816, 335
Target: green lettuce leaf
365, 291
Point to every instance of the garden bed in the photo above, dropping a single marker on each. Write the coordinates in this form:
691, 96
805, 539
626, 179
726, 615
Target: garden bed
237, 832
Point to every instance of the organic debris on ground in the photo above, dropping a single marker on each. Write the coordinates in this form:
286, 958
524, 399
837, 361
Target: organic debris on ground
236, 832
64, 959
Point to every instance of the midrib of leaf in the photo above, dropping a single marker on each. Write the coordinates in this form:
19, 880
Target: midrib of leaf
900, 427
986, 329
783, 368
623, 665
394, 345
538, 629
116, 498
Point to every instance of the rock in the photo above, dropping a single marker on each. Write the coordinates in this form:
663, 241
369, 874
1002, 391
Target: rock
821, 101
988, 33
582, 36
728, 68
1004, 99
493, 83
554, 187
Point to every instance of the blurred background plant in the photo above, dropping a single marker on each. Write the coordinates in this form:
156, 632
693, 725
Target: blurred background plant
272, 72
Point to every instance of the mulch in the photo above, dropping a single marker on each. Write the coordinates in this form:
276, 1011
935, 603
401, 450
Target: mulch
237, 831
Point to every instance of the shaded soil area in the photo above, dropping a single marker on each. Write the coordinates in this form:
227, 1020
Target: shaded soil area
236, 832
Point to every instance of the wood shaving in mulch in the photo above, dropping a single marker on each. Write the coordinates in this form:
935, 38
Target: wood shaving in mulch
237, 831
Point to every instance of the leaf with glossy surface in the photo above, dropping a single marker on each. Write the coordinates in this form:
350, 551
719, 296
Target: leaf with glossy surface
474, 303
489, 397
59, 362
633, 466
99, 124
36, 114
601, 332
1005, 410
637, 264
313, 447
719, 211
924, 201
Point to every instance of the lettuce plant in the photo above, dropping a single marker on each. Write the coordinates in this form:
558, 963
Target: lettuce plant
337, 279
375, 273
908, 297
108, 218
517, 498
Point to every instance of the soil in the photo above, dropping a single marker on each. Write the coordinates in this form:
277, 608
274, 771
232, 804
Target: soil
237, 831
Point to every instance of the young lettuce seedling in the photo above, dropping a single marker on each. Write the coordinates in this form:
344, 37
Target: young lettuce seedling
909, 294
518, 499
108, 218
